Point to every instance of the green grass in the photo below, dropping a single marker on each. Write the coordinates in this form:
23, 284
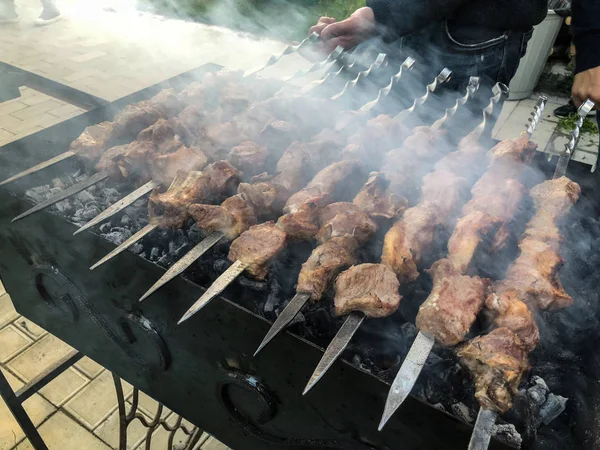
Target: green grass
566, 124
283, 19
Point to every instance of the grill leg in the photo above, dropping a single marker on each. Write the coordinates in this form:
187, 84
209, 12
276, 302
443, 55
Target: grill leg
14, 400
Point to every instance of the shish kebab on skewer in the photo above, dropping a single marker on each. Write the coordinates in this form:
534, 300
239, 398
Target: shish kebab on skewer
256, 115
383, 196
508, 159
499, 359
298, 223
371, 290
135, 117
266, 199
170, 210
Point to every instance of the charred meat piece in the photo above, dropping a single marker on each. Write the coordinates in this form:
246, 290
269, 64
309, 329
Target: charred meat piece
507, 311
165, 167
330, 184
168, 103
324, 264
345, 220
249, 157
134, 118
408, 240
257, 247
221, 137
377, 201
369, 288
497, 361
232, 217
534, 276
214, 184
278, 135
453, 305
93, 141
267, 198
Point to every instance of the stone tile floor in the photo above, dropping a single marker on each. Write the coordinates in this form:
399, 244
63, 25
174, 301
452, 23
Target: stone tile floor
107, 49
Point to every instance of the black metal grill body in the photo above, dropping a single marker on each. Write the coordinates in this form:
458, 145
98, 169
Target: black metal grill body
204, 369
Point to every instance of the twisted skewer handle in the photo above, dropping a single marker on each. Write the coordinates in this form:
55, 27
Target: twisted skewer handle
472, 87
563, 161
332, 57
536, 115
286, 51
385, 91
347, 61
499, 92
443, 76
380, 61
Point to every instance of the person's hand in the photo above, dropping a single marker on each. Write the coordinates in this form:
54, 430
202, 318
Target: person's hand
321, 24
350, 32
586, 85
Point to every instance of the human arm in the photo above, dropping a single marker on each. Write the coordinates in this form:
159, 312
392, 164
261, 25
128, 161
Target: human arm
586, 36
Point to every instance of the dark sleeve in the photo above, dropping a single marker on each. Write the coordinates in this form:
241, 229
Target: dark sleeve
401, 17
586, 33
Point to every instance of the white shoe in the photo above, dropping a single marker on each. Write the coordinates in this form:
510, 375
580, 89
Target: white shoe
48, 16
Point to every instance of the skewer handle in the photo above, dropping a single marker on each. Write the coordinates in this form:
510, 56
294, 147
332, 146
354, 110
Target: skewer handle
536, 115
348, 61
499, 92
472, 87
380, 61
442, 77
335, 55
385, 91
482, 432
286, 51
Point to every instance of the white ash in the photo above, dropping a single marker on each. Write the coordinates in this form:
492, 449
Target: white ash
439, 406
552, 408
507, 433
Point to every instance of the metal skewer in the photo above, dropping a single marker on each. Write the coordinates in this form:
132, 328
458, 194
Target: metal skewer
563, 160
120, 205
380, 61
385, 91
125, 245
72, 190
300, 299
286, 51
419, 352
40, 166
331, 58
443, 77
482, 431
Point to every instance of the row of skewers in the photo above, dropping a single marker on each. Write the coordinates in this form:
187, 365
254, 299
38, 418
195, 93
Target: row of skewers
306, 186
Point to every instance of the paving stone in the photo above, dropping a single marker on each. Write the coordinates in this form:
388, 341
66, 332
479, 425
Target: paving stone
89, 367
10, 107
4, 135
7, 310
36, 407
2, 290
35, 99
66, 111
64, 387
13, 341
149, 406
40, 356
34, 111
60, 432
95, 402
29, 328
213, 444
108, 431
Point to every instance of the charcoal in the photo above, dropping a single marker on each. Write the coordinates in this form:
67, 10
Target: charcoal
110, 192
105, 228
54, 191
85, 197
439, 406
90, 212
37, 194
194, 234
507, 433
117, 236
273, 298
299, 318
463, 412
64, 207
125, 220
154, 253
554, 406
252, 284
137, 248
538, 393
221, 265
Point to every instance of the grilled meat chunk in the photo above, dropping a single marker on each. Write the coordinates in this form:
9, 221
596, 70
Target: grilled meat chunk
324, 264
369, 288
377, 201
507, 311
345, 220
249, 157
257, 247
93, 141
214, 184
300, 220
232, 217
497, 361
452, 307
534, 276
165, 167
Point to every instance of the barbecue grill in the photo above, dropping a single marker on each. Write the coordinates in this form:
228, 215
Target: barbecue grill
204, 369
